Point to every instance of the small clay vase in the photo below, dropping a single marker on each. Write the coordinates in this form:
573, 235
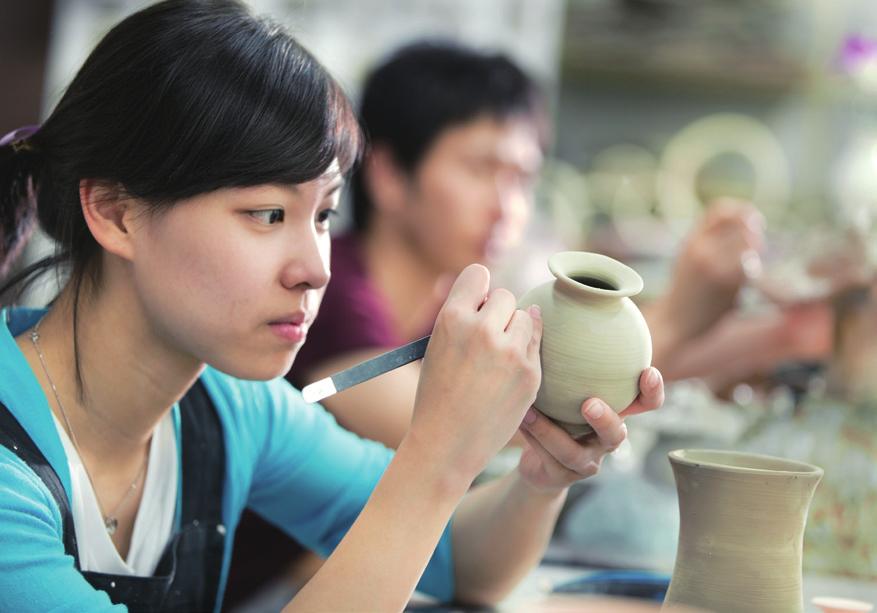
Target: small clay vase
595, 340
741, 531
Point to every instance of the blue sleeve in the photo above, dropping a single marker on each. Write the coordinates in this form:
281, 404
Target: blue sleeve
312, 478
35, 573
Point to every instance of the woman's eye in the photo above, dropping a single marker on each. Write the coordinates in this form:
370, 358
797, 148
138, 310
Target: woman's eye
325, 216
268, 216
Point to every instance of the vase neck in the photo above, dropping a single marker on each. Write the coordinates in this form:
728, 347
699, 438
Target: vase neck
595, 275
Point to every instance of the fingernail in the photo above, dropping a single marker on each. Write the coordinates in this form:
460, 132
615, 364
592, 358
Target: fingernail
652, 378
535, 311
529, 416
595, 409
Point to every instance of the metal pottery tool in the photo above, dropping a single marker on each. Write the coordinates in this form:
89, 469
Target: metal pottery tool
369, 369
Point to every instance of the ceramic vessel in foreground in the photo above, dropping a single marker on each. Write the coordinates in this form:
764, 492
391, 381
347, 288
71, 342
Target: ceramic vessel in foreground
742, 518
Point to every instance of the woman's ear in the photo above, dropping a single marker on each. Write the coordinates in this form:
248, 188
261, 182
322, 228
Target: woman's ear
109, 214
387, 184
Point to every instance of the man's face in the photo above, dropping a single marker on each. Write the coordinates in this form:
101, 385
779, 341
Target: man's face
470, 197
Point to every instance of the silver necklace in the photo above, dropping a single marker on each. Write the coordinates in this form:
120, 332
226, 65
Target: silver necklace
111, 521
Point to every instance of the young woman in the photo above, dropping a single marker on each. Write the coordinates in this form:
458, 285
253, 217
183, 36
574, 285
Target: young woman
188, 176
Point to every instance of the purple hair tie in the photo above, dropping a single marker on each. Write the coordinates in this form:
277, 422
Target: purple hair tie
18, 137
19, 219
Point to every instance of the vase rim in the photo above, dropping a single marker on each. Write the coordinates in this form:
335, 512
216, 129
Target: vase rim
743, 462
566, 264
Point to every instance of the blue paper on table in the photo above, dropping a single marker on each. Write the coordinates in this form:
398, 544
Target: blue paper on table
631, 583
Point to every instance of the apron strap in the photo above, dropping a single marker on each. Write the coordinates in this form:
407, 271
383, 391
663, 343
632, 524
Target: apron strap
14, 438
189, 572
200, 551
203, 457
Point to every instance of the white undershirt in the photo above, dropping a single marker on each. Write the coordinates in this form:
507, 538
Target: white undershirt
155, 517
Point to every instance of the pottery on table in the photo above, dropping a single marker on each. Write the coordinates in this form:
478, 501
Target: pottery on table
742, 519
834, 425
837, 434
595, 340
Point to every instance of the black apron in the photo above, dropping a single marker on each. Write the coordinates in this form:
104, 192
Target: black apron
187, 576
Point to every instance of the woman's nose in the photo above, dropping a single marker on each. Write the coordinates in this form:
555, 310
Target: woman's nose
309, 264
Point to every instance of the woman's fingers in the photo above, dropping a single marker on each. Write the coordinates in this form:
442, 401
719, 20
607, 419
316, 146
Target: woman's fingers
554, 459
551, 468
580, 457
469, 288
607, 424
497, 311
478, 377
525, 330
536, 338
651, 394
520, 329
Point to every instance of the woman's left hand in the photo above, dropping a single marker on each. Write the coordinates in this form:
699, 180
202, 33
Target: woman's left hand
553, 460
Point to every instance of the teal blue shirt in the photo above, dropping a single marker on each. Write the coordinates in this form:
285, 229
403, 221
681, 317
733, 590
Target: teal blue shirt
286, 459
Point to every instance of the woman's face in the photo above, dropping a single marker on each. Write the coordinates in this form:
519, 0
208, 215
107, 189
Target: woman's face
234, 277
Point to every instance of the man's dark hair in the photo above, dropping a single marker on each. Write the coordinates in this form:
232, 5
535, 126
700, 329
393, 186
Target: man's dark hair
427, 87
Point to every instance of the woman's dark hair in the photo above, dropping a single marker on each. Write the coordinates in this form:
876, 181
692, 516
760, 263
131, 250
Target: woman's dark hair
425, 88
179, 99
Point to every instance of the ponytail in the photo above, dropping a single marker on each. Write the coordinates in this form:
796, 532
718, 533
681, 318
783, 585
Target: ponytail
19, 167
19, 162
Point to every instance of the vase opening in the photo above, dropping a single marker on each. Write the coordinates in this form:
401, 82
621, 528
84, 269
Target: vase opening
595, 274
595, 282
743, 462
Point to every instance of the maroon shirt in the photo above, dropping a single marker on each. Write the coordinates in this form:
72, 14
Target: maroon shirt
353, 315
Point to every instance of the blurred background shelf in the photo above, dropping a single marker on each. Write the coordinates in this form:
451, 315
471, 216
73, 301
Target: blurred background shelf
589, 66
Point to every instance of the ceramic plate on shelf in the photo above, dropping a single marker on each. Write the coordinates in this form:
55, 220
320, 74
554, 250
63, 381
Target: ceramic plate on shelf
688, 153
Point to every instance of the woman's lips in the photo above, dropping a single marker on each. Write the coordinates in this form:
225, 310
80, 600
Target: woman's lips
288, 331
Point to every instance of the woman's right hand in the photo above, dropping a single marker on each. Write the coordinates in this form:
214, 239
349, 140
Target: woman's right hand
480, 374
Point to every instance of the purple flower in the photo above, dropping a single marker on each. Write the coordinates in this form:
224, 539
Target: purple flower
857, 51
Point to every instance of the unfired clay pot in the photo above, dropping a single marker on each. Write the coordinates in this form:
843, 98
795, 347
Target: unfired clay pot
595, 340
742, 518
